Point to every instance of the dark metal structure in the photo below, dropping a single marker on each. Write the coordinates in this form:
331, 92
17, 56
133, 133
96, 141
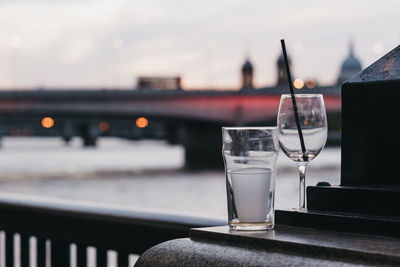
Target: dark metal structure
104, 227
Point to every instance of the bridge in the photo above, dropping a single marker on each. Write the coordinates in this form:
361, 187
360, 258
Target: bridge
190, 118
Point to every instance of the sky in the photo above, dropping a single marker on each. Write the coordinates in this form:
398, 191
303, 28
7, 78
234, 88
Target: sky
108, 44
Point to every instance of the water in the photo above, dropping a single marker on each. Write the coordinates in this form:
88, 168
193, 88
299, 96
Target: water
314, 141
250, 197
298, 156
143, 174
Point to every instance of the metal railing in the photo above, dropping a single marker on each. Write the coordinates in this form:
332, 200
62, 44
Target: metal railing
61, 226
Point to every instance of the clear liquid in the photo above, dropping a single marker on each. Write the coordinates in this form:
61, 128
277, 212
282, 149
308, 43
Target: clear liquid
300, 157
251, 198
314, 141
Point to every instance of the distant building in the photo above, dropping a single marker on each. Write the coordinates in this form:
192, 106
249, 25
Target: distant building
281, 68
247, 75
350, 67
158, 83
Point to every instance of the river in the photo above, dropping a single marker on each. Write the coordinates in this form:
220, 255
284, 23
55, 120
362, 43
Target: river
142, 174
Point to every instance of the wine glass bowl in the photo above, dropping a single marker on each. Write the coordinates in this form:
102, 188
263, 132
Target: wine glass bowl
312, 120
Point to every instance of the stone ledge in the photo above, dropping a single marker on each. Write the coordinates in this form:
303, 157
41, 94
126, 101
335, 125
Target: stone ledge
304, 240
341, 222
286, 245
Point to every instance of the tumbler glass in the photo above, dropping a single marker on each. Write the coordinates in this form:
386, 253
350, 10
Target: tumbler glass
250, 155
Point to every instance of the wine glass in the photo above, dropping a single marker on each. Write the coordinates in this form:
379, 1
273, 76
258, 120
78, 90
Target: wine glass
314, 128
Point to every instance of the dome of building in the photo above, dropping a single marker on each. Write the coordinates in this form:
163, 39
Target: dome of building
351, 63
281, 70
350, 67
247, 75
247, 66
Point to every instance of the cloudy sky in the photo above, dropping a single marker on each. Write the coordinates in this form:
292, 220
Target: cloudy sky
108, 43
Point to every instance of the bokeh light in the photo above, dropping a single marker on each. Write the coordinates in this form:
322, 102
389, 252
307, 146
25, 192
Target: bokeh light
298, 47
211, 44
47, 122
377, 48
118, 43
15, 41
298, 83
142, 122
104, 126
310, 84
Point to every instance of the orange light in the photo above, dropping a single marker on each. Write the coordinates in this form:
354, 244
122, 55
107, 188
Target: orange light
310, 84
298, 83
104, 126
47, 122
142, 122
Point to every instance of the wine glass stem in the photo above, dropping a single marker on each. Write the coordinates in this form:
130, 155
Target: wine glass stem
302, 193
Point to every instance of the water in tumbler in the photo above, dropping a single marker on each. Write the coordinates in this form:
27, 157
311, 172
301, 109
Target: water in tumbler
251, 196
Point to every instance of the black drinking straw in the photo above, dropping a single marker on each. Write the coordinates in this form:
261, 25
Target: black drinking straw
296, 114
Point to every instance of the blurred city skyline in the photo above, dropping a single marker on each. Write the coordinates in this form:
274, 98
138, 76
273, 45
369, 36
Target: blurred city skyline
98, 43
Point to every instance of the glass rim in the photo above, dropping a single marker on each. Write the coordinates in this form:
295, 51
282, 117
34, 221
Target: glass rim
286, 95
250, 128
